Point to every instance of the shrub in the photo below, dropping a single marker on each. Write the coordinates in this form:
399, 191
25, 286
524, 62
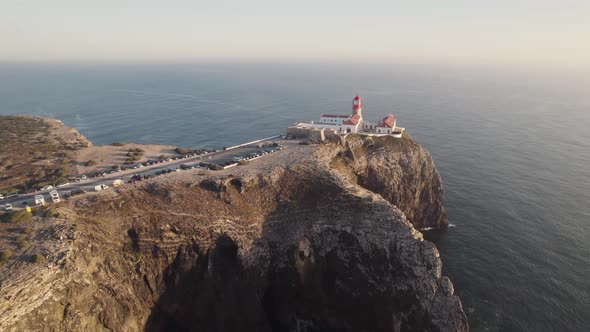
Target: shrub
134, 154
52, 213
201, 150
242, 162
137, 151
5, 255
215, 167
21, 241
28, 230
115, 167
19, 216
118, 144
184, 150
91, 163
137, 256
38, 259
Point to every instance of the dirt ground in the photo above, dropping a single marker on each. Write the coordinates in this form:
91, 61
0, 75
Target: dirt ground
106, 156
36, 150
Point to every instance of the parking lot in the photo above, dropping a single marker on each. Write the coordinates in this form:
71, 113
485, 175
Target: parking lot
138, 172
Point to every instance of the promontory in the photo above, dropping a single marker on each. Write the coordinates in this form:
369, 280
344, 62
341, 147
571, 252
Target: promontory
310, 237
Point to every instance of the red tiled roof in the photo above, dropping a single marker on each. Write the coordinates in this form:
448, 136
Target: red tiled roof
387, 122
353, 121
335, 116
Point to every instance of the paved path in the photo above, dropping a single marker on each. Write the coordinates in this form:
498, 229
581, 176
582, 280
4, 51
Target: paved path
88, 184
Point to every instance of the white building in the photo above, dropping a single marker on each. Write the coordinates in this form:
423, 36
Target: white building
354, 123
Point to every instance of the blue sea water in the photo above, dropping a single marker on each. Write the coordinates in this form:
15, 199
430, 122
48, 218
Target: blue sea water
513, 149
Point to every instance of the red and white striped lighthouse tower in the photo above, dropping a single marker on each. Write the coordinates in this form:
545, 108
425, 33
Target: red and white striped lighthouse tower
357, 107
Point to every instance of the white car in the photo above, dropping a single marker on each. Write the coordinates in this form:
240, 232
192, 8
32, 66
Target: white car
8, 207
2, 196
39, 200
101, 187
54, 196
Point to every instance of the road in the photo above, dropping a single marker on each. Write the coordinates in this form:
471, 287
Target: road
88, 185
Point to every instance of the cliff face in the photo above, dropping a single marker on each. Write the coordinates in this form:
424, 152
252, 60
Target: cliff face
286, 244
401, 171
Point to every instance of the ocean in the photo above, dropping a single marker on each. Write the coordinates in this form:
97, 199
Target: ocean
512, 147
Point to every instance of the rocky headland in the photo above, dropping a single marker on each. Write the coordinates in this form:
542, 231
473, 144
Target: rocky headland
316, 237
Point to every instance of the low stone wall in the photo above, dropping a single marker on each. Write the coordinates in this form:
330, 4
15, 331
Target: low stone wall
316, 134
306, 133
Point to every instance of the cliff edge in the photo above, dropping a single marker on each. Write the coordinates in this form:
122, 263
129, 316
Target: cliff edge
400, 170
312, 238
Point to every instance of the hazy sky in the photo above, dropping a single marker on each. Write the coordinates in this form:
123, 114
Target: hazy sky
511, 31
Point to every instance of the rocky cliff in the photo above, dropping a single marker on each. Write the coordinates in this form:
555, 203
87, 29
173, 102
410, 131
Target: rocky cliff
308, 239
400, 170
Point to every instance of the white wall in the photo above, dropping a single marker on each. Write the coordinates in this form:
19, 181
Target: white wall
336, 121
368, 125
381, 130
353, 129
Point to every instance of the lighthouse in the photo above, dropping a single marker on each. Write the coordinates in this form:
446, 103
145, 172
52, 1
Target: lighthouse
341, 124
357, 107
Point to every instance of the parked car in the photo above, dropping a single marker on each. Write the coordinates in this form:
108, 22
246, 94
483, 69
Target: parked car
54, 196
39, 200
8, 207
100, 187
2, 196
